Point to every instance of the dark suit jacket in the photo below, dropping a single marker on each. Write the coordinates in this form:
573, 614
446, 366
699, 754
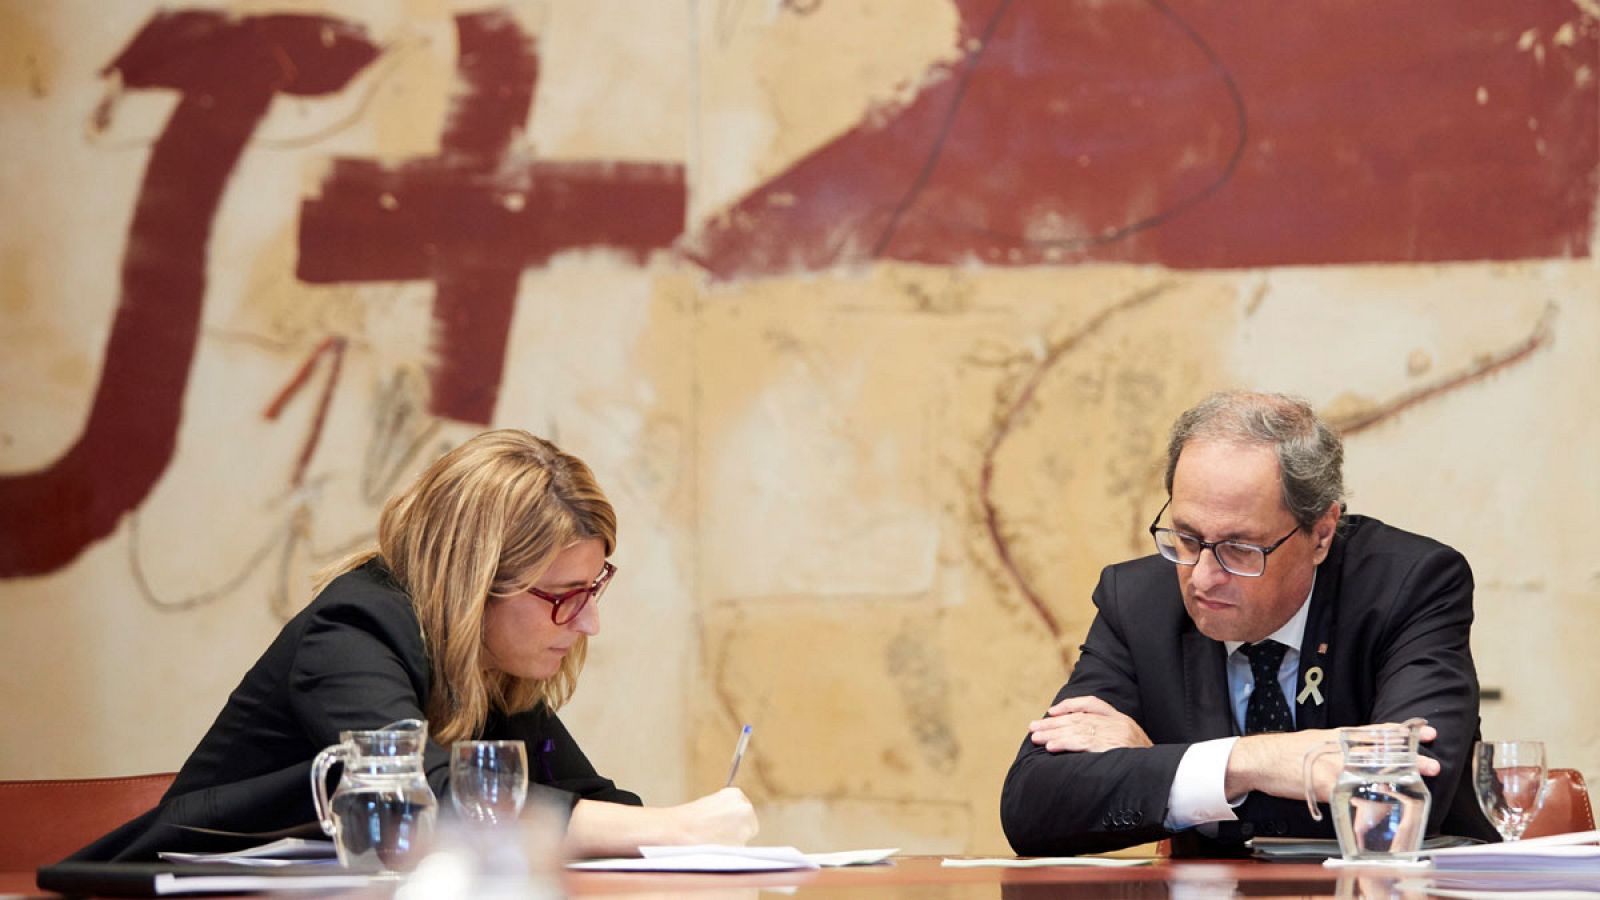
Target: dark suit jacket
353, 659
1388, 624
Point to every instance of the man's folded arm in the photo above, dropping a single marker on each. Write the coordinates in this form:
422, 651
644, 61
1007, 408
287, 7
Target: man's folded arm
1057, 804
1061, 803
1125, 794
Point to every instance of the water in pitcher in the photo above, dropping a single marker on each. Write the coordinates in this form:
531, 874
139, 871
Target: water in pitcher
381, 815
1379, 803
1379, 810
383, 824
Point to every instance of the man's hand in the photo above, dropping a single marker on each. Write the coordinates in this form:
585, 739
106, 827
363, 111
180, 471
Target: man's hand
1275, 763
1085, 724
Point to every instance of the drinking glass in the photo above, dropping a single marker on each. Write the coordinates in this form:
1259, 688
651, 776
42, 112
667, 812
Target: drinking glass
488, 780
1509, 779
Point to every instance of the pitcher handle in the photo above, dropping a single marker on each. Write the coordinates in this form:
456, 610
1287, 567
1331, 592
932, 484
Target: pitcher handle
319, 784
1308, 764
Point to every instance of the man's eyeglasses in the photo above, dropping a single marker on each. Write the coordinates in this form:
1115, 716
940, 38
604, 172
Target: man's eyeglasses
1235, 557
564, 607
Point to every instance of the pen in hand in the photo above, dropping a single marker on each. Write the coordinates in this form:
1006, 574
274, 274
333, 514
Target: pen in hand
738, 754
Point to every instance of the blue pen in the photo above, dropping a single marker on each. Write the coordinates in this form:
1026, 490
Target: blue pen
738, 754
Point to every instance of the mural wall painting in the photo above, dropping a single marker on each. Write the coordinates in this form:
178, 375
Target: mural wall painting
226, 72
1022, 154
1021, 398
997, 283
470, 220
1202, 135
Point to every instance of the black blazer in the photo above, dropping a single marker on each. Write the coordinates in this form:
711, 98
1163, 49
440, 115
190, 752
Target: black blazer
353, 659
1388, 624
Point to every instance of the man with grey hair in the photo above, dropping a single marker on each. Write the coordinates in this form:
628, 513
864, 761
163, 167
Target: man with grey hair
1195, 698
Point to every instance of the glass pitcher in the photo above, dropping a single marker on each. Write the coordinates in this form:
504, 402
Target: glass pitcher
382, 814
1379, 804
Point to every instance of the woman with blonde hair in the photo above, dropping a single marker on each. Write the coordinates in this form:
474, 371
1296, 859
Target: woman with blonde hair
473, 612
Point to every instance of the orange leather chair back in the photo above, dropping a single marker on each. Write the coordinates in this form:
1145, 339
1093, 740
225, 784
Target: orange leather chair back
1566, 807
43, 821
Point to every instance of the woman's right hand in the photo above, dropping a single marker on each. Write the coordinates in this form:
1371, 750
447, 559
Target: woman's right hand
614, 829
725, 817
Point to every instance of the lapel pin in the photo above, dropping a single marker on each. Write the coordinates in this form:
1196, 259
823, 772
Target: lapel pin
1312, 688
1322, 648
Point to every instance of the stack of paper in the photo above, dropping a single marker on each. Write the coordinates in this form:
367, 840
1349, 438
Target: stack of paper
100, 879
284, 865
285, 852
1561, 865
1518, 858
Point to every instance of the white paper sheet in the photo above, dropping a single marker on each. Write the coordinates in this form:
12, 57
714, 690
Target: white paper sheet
726, 858
702, 858
852, 857
229, 884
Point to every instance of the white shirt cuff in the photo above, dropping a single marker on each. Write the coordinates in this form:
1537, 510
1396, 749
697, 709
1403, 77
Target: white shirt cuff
1197, 794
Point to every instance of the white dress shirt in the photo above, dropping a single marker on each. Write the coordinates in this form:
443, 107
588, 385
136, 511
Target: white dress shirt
1197, 794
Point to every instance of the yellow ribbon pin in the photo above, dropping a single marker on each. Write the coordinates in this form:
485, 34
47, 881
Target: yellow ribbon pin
1313, 679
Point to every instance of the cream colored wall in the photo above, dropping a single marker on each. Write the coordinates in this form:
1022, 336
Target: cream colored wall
798, 461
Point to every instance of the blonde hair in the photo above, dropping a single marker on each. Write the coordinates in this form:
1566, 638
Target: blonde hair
485, 520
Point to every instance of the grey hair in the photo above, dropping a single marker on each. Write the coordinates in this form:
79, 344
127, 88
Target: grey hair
1310, 454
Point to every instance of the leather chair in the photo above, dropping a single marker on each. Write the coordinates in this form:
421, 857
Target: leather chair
43, 821
1566, 807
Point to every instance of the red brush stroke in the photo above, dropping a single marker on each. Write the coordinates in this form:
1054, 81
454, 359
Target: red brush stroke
473, 218
332, 347
498, 66
226, 71
1009, 415
1204, 133
1482, 368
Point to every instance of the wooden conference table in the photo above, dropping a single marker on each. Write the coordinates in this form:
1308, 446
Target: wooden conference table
919, 876
922, 876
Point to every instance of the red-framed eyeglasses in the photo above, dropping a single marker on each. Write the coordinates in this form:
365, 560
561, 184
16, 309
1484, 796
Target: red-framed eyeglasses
564, 607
